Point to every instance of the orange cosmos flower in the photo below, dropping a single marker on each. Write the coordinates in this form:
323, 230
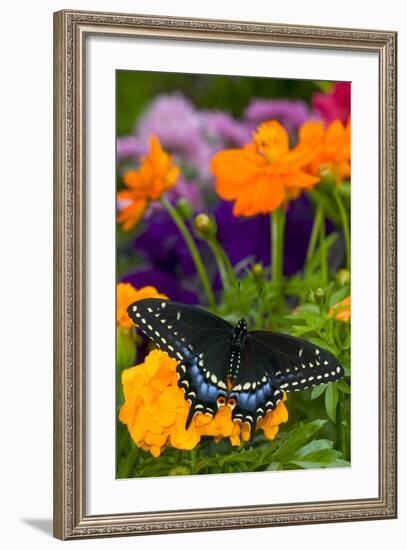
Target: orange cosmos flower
156, 174
330, 146
155, 411
260, 177
341, 310
126, 295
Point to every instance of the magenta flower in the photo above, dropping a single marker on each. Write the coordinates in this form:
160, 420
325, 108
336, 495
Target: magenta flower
334, 104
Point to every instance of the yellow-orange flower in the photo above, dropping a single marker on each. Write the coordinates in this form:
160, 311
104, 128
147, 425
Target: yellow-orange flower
155, 410
330, 146
157, 173
262, 175
126, 295
341, 310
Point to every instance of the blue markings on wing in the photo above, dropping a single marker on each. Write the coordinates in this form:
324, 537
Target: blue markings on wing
258, 400
207, 392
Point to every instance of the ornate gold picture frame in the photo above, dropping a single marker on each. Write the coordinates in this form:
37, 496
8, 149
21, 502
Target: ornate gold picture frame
72, 29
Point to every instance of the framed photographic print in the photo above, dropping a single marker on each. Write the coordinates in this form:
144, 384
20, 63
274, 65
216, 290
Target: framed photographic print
225, 274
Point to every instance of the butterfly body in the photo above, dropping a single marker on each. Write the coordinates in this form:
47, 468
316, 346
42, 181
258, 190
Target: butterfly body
220, 365
237, 345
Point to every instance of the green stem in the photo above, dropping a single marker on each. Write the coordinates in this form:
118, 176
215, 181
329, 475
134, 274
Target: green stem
220, 262
277, 224
340, 426
226, 261
192, 249
318, 218
343, 426
193, 461
345, 225
322, 249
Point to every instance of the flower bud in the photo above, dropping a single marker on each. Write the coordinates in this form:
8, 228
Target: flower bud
311, 296
205, 226
343, 277
328, 177
258, 271
184, 208
320, 296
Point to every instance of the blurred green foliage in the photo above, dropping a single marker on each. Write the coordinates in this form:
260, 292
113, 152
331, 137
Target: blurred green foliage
134, 89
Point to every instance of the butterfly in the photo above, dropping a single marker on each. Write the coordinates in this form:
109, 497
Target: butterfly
221, 365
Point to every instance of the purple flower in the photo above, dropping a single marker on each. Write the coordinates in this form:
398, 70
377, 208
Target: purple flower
290, 113
165, 282
167, 260
192, 136
176, 123
163, 247
244, 237
174, 120
130, 147
222, 130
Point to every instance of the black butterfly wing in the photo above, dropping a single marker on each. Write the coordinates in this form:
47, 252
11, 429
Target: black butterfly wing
254, 389
198, 340
274, 363
296, 364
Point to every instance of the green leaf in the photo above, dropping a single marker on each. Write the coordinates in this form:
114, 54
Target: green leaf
338, 296
343, 386
325, 458
310, 308
313, 447
274, 466
318, 391
296, 439
299, 330
346, 343
331, 401
126, 349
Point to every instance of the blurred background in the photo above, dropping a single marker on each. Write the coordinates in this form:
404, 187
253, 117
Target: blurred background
194, 116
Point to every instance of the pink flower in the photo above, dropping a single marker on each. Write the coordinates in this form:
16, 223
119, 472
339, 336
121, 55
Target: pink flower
334, 104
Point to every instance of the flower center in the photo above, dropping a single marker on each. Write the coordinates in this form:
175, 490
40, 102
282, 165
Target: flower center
271, 140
